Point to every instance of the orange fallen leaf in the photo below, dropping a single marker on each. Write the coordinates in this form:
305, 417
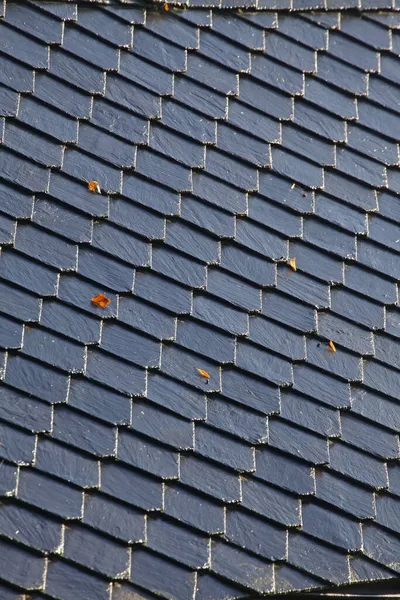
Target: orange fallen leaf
166, 7
292, 263
332, 347
94, 186
203, 373
101, 300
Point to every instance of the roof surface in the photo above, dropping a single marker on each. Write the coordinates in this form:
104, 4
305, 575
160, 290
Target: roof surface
248, 214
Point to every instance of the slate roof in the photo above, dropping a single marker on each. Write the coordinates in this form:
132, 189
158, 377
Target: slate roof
225, 144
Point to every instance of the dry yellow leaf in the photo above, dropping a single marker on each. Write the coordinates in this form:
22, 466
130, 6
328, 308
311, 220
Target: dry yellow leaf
101, 300
332, 346
292, 263
94, 186
203, 373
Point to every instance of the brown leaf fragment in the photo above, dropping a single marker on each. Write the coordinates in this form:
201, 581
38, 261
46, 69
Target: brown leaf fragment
332, 347
101, 300
94, 187
292, 263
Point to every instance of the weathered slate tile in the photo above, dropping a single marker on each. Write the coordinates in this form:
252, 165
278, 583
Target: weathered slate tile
136, 218
8, 479
49, 494
224, 449
175, 396
104, 270
77, 195
30, 528
387, 512
358, 466
23, 172
283, 471
147, 456
46, 248
117, 120
242, 568
116, 519
23, 48
381, 546
357, 308
369, 437
16, 76
65, 463
189, 548
159, 575
189, 240
25, 412
229, 417
36, 379
206, 340
63, 578
193, 509
289, 311
81, 74
70, 100
131, 487
90, 48
112, 560
17, 446
210, 479
117, 374
54, 350
329, 526
132, 97
375, 407
13, 566
289, 579
106, 26
318, 559
349, 497
127, 344
164, 293
15, 202
70, 322
255, 534
271, 503
80, 431
57, 218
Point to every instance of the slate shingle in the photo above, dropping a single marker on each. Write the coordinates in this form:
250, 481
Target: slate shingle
34, 530
285, 472
208, 478
147, 455
46, 493
26, 412
13, 566
193, 509
110, 558
175, 396
318, 560
159, 575
36, 379
118, 520
131, 487
63, 577
66, 463
242, 568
